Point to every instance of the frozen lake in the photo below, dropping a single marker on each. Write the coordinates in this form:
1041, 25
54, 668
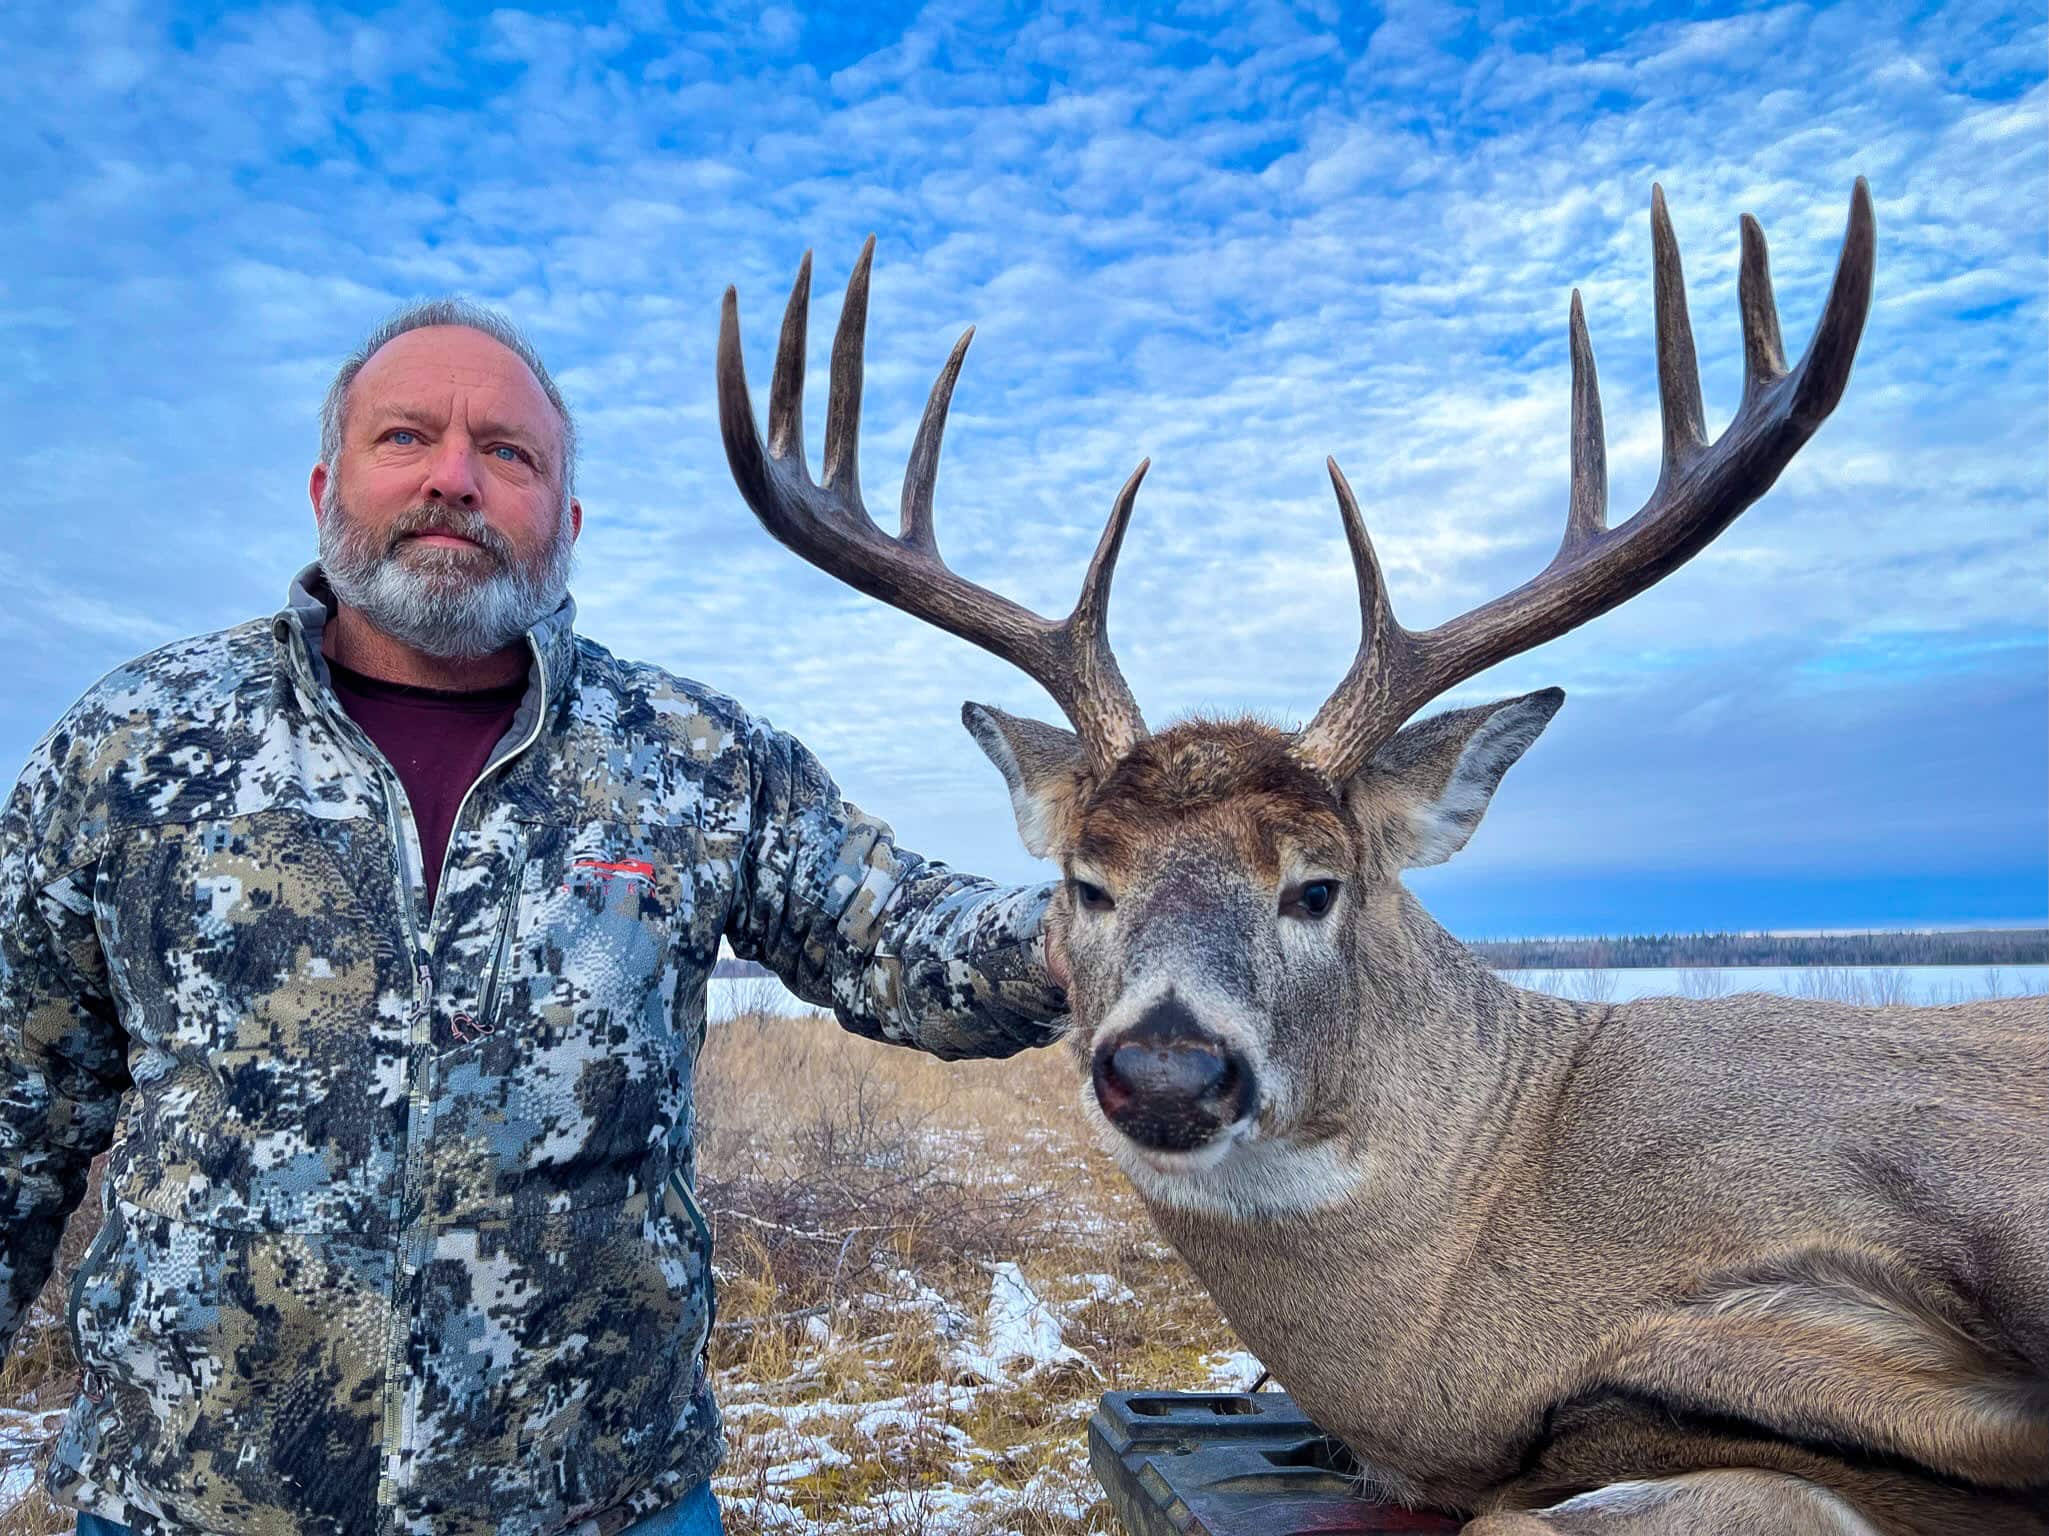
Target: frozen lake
1930, 984
1861, 984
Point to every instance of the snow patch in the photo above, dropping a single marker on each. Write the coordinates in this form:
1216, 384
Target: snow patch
1103, 1290
1021, 1334
1234, 1371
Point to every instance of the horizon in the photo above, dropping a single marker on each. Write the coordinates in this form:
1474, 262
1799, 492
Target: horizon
1234, 241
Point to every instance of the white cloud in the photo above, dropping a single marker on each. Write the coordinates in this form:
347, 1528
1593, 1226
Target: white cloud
1236, 239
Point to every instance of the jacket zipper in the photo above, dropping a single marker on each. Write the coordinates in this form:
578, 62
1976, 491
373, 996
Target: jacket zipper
419, 1099
487, 998
96, 1255
711, 1293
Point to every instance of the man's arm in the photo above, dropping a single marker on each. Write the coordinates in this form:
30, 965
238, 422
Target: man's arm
63, 1057
899, 948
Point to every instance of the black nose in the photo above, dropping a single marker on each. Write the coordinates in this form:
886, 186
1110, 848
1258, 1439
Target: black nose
1170, 1084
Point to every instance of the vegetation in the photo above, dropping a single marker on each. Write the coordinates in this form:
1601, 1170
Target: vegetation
1969, 946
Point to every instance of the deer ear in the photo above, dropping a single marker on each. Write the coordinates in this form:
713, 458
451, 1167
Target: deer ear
1045, 767
1432, 782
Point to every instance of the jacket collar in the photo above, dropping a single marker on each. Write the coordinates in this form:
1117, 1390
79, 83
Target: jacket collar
300, 624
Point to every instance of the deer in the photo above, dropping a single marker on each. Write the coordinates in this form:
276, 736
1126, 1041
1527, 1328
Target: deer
1742, 1265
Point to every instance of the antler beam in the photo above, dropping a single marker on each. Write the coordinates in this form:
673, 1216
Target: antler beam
1701, 489
826, 523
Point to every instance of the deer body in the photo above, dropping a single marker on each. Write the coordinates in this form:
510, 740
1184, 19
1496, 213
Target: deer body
1750, 1267
1634, 1236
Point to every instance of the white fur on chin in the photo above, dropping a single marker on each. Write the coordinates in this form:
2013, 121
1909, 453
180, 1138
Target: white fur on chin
1238, 1176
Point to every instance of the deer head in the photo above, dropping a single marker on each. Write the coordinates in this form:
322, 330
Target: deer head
1244, 957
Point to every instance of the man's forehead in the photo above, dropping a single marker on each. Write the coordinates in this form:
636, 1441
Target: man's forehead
445, 356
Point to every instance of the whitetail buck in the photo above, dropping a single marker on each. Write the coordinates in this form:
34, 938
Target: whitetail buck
1748, 1265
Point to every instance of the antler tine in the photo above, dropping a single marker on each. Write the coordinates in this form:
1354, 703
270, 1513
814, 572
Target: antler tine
1678, 373
786, 385
1764, 354
826, 524
736, 410
1118, 728
1825, 367
1587, 514
1701, 490
843, 400
1374, 680
923, 468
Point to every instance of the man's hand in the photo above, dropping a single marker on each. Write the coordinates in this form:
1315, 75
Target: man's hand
1055, 932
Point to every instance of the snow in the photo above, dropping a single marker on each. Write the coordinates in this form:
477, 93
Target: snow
23, 1432
1234, 1371
1020, 1333
1105, 1290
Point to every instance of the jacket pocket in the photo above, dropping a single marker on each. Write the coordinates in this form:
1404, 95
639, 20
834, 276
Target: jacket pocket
240, 1374
617, 1310
97, 1253
678, 1193
585, 1057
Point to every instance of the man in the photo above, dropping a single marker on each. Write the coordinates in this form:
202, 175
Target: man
374, 939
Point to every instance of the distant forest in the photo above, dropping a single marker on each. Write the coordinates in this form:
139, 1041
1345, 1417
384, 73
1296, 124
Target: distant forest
1965, 946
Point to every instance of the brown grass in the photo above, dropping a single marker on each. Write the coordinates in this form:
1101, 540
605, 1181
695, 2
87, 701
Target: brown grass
887, 1162
39, 1375
841, 1176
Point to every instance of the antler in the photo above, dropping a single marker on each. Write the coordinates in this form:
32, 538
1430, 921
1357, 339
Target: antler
1700, 491
826, 523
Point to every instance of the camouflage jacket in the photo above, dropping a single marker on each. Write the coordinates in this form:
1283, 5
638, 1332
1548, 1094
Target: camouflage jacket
400, 1233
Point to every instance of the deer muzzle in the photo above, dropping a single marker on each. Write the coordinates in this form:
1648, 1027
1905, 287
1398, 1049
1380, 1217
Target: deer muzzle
1171, 1085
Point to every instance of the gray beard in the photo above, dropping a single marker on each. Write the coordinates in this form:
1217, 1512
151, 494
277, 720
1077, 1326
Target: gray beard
457, 604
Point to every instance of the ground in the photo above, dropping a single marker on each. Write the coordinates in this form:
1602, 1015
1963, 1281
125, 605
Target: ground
928, 1273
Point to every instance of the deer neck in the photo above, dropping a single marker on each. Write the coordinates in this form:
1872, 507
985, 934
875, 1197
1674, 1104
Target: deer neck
1442, 1133
1446, 1095
1456, 1071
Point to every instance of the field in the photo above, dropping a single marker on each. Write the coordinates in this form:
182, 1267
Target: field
927, 1274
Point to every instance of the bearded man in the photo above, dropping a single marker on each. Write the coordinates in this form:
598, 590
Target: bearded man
373, 937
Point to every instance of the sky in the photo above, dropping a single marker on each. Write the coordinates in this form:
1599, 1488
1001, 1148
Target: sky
1232, 237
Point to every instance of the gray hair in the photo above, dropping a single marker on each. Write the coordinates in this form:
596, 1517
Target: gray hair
417, 316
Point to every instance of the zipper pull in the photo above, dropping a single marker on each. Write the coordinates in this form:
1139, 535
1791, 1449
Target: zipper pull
426, 1002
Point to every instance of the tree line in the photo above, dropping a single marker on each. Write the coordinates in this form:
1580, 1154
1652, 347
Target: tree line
1966, 946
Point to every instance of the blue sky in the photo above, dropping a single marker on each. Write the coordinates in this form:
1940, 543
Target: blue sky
1232, 237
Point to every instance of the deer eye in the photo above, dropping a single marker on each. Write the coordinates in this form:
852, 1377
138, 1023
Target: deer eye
1094, 897
1311, 900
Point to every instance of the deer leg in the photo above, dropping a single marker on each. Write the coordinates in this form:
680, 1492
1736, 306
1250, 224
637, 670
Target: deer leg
1734, 1502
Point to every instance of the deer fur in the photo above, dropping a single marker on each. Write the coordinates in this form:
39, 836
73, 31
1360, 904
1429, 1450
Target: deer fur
1744, 1265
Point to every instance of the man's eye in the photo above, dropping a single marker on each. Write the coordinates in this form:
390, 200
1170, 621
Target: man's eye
1313, 899
403, 439
508, 453
1094, 897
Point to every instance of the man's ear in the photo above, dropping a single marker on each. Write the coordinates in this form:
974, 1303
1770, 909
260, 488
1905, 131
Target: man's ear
1431, 784
1045, 767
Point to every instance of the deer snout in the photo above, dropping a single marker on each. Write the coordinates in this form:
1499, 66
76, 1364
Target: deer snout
1169, 1084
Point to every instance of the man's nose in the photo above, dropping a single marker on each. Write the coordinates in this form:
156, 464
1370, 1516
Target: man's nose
452, 476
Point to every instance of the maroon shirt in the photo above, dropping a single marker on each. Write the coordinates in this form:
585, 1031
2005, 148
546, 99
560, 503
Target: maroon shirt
438, 742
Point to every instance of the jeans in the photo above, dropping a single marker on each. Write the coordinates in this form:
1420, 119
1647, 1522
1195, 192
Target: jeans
695, 1514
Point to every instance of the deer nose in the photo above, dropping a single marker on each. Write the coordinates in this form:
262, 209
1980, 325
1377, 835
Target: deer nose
1170, 1084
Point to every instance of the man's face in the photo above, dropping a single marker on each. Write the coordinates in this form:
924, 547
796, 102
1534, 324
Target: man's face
444, 520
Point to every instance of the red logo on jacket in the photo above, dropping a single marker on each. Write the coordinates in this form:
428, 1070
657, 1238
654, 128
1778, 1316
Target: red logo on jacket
588, 874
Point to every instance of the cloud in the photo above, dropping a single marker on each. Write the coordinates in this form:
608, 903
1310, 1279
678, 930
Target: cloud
1234, 238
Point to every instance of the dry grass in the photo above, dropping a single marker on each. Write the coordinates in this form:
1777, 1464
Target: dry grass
860, 1197
39, 1376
